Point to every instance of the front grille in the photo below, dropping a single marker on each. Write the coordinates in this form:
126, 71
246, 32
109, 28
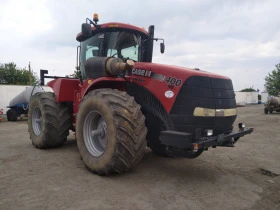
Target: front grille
198, 91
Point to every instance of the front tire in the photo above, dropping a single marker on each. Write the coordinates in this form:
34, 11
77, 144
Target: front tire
265, 111
110, 131
48, 121
12, 115
8, 113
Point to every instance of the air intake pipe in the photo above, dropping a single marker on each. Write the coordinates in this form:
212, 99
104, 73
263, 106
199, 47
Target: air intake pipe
106, 66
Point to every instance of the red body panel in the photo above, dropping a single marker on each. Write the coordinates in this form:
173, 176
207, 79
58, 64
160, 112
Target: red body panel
159, 87
64, 88
102, 82
71, 90
92, 84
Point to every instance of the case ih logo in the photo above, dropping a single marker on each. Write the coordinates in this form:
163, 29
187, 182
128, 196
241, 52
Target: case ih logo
141, 72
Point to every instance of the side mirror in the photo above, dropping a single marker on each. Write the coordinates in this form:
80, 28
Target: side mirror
162, 47
86, 29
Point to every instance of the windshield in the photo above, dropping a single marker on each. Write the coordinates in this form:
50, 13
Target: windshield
124, 45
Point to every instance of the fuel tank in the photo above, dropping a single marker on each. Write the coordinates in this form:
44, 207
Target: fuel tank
24, 96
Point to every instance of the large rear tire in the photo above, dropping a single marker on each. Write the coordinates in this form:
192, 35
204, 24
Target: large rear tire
110, 131
48, 121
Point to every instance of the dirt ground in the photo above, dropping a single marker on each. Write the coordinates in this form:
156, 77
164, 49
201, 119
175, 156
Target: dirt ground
243, 177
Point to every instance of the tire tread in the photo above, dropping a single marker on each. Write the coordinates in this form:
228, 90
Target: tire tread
130, 128
57, 122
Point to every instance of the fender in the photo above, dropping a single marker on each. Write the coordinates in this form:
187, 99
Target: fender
71, 90
64, 89
102, 82
93, 84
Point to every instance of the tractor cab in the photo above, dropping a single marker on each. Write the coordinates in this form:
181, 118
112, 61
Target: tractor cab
118, 40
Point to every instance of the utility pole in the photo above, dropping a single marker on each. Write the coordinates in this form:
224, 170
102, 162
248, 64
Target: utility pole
29, 68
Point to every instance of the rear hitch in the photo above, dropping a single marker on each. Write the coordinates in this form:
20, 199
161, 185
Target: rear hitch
230, 143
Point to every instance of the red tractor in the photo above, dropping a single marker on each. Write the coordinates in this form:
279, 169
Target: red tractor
123, 102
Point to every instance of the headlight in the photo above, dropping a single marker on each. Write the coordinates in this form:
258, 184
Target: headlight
241, 125
205, 112
209, 132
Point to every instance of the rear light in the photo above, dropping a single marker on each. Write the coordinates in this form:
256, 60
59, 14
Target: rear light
195, 147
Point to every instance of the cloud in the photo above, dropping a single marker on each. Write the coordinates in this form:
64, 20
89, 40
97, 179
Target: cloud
24, 19
239, 39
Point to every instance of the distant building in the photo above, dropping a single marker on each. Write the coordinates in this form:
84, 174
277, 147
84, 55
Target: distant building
244, 98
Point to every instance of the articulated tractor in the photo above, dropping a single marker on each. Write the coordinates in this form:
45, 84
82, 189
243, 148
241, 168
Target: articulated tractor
123, 103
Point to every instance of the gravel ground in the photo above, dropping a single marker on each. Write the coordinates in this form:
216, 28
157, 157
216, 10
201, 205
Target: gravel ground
243, 177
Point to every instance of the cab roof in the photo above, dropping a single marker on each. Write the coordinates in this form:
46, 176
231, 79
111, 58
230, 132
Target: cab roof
111, 27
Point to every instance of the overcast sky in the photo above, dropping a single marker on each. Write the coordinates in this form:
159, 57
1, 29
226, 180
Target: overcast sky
237, 38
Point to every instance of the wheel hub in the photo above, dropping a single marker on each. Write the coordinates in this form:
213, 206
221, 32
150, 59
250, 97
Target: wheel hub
95, 133
37, 121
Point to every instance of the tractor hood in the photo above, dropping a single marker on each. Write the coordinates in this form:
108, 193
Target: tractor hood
166, 82
175, 71
183, 91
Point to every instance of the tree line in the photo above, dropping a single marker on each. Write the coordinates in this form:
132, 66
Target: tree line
11, 74
272, 81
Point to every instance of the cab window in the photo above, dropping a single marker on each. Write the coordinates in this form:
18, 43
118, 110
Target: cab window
124, 45
90, 48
